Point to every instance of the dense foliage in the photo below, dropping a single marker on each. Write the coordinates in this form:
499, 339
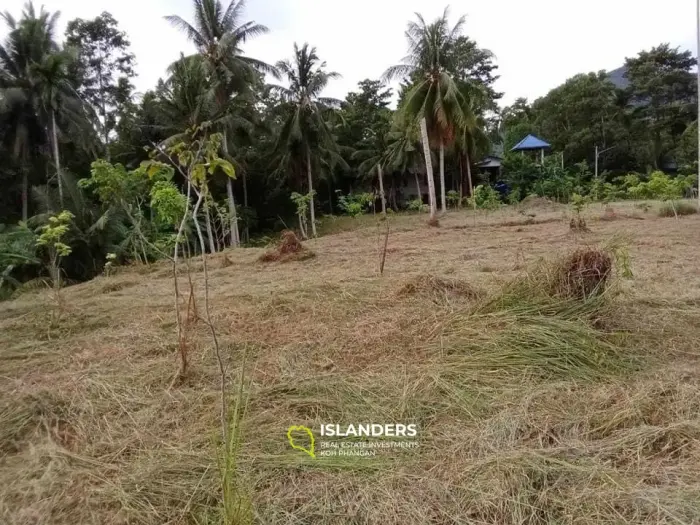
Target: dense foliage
76, 138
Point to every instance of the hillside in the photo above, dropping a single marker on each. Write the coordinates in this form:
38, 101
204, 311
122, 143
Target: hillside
530, 409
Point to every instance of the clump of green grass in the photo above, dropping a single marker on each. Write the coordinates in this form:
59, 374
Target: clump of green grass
545, 323
521, 338
677, 208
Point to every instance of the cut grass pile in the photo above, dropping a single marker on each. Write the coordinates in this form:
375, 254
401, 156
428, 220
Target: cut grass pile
535, 403
288, 249
439, 289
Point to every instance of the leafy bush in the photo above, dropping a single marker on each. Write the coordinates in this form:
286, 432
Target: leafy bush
525, 176
17, 251
578, 204
661, 186
452, 198
355, 204
417, 205
53, 236
302, 203
485, 197
168, 203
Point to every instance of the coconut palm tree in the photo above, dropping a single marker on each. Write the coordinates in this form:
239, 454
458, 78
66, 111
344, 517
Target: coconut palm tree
434, 94
185, 97
471, 140
36, 89
305, 135
219, 33
29, 40
403, 149
187, 101
57, 98
372, 156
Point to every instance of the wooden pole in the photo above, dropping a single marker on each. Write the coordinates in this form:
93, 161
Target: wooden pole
596, 161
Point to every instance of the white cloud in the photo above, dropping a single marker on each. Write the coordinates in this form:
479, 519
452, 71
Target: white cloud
538, 43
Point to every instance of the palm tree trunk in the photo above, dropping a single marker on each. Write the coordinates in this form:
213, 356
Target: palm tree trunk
380, 174
311, 190
57, 161
428, 168
25, 193
469, 174
103, 106
461, 180
418, 193
235, 240
245, 205
443, 200
330, 198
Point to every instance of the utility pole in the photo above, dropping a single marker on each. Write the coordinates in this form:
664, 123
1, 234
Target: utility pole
598, 153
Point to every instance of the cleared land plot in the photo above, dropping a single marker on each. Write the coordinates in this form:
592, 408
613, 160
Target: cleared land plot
529, 412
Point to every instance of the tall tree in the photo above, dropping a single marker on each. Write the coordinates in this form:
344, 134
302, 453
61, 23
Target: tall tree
471, 142
663, 94
367, 121
104, 68
581, 114
28, 41
219, 34
472, 64
55, 93
403, 148
517, 120
435, 94
305, 135
37, 91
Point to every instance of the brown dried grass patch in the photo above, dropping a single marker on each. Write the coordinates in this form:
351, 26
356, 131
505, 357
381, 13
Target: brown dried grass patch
439, 288
584, 273
289, 249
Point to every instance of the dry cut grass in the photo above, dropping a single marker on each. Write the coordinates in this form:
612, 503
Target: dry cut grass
533, 407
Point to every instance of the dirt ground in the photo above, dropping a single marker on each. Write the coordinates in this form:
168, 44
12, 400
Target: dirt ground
91, 433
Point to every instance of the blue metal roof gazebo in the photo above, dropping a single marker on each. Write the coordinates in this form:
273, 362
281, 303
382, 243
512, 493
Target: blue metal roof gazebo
532, 143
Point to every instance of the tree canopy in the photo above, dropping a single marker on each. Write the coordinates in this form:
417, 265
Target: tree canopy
69, 113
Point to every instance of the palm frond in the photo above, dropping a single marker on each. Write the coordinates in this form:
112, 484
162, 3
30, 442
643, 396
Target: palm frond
184, 26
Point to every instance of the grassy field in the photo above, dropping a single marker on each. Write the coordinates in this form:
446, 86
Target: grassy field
531, 409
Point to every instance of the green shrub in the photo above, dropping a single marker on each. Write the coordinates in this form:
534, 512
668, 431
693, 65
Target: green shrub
17, 250
416, 205
485, 197
355, 204
661, 186
452, 198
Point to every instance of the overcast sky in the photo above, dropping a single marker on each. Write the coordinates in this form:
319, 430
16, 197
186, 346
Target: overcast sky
538, 43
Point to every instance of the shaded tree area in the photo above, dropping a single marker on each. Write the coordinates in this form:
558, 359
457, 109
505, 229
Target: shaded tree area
648, 124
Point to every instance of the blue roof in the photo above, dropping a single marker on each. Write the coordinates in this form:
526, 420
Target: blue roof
531, 142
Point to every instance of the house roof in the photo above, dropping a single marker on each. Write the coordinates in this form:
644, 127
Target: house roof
531, 142
490, 162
